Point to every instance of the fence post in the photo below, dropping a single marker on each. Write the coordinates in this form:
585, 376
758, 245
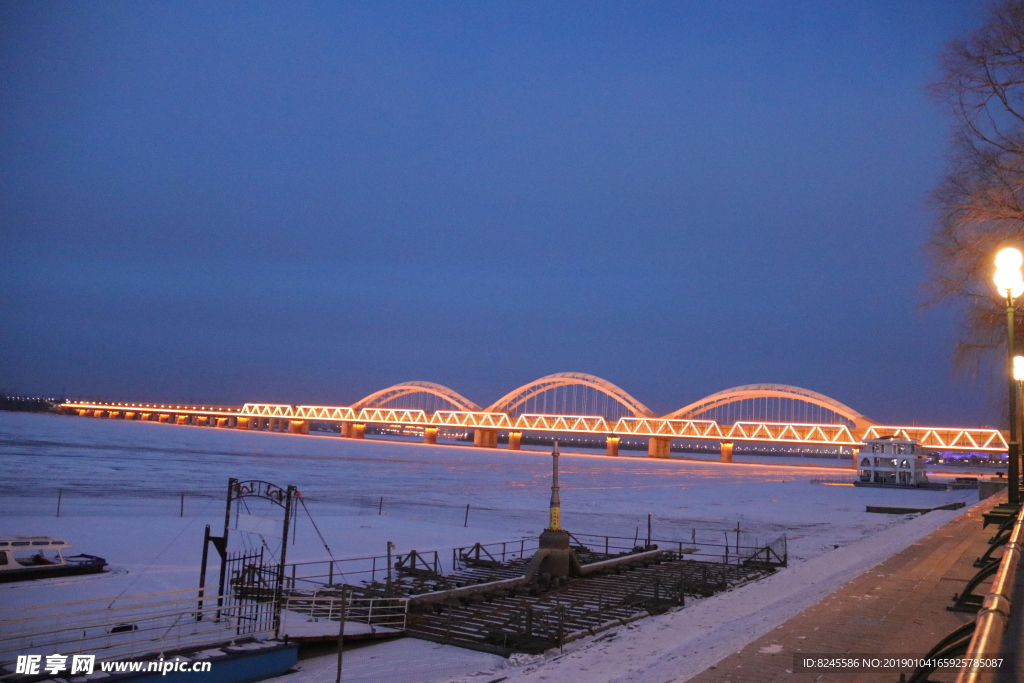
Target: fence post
341, 634
682, 580
60, 493
390, 546
466, 522
182, 512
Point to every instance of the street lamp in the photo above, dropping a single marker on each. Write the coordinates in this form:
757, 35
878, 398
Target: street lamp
1010, 284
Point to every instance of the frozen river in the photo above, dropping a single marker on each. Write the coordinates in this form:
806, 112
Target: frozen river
107, 468
121, 484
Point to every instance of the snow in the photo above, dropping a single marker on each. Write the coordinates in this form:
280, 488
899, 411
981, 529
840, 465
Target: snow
298, 625
404, 659
120, 485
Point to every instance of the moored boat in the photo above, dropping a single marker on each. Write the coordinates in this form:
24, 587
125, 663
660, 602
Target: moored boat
39, 557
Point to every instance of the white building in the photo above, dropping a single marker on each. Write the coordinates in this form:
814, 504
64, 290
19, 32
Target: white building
892, 461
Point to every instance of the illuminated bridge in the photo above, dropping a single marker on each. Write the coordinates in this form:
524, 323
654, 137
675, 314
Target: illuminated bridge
578, 404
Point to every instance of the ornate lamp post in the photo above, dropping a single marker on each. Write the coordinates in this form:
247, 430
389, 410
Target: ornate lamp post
1010, 284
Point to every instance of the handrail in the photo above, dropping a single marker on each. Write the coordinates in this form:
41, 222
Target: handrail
994, 615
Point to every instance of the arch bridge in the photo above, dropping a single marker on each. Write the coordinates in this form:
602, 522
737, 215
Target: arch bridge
574, 403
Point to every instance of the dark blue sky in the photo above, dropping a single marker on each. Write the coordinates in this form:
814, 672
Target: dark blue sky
304, 202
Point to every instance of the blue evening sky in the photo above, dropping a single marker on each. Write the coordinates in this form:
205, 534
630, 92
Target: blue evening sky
306, 202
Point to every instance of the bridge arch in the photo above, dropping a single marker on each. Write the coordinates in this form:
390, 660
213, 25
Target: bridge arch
517, 397
778, 391
379, 398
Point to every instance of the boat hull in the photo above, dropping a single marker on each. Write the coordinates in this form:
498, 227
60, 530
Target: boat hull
89, 565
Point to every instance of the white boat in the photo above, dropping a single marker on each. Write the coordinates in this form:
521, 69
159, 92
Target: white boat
39, 557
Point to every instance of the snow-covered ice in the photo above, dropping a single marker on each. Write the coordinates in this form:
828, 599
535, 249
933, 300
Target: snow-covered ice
121, 483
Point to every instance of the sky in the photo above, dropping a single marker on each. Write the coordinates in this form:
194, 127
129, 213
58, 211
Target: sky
307, 202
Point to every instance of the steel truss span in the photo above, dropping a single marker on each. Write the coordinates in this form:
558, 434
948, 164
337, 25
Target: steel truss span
778, 392
438, 406
392, 393
512, 401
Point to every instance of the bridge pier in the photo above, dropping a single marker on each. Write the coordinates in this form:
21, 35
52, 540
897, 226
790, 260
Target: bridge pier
181, 419
298, 427
358, 431
659, 447
485, 438
515, 440
430, 435
242, 423
726, 450
611, 446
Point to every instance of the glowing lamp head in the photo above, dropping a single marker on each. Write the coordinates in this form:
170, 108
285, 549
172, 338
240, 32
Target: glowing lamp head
1009, 281
1009, 259
1018, 368
1008, 277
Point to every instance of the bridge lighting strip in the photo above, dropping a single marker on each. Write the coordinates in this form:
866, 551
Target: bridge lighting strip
942, 438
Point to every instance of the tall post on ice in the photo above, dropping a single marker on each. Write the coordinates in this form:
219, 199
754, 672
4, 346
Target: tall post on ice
554, 559
555, 509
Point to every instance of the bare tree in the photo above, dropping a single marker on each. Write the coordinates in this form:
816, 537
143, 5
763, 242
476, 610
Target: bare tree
981, 198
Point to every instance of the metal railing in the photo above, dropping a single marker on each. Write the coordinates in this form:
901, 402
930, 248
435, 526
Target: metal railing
497, 552
387, 613
994, 615
355, 570
129, 626
734, 548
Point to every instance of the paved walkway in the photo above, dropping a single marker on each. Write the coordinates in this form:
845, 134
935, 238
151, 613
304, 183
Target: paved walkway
899, 607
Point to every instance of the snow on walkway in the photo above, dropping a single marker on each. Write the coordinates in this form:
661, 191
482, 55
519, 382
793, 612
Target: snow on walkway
405, 659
